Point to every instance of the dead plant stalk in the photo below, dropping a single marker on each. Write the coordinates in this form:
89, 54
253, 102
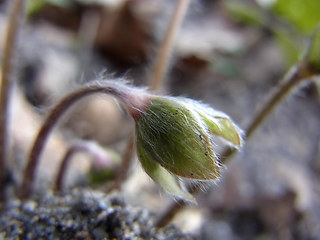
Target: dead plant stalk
294, 77
16, 15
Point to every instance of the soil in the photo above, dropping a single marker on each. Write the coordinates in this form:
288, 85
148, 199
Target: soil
81, 214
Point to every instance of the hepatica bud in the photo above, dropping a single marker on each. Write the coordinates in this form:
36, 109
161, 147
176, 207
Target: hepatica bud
175, 140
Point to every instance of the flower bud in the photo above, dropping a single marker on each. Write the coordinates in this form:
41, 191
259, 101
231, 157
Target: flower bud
175, 136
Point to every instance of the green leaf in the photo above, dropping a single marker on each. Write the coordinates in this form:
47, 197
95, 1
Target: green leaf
99, 177
288, 46
245, 13
34, 6
303, 14
314, 51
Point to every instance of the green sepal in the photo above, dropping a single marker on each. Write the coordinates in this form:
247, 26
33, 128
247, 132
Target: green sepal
224, 127
218, 123
164, 178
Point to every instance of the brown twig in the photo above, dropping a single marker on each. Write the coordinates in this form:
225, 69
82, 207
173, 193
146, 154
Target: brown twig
14, 22
51, 120
294, 77
156, 80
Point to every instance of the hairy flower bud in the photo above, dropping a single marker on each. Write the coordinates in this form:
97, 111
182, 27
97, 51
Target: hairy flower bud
175, 136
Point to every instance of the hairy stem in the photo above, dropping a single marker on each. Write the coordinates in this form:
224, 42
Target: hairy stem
156, 80
14, 22
291, 79
51, 120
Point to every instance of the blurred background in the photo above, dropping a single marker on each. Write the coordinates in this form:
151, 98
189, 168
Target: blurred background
228, 54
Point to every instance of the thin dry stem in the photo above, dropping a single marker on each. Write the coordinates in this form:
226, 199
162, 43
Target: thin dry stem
294, 77
162, 62
51, 120
291, 79
14, 22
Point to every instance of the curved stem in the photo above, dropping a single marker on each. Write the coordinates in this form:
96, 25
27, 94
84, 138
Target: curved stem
63, 168
64, 165
156, 80
89, 147
15, 17
51, 120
